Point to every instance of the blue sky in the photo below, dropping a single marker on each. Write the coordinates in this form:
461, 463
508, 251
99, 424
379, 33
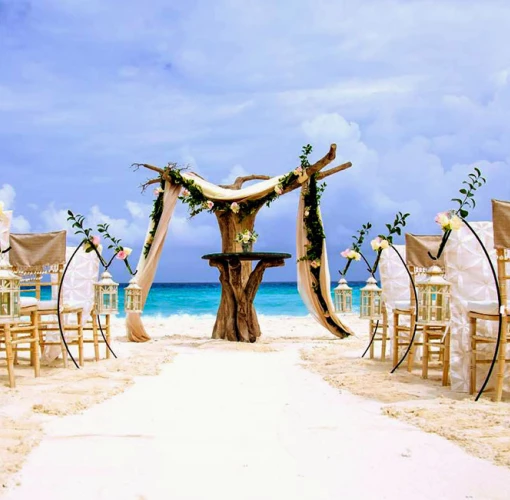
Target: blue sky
414, 93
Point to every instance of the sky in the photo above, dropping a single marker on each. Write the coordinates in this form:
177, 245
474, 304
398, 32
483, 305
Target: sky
414, 93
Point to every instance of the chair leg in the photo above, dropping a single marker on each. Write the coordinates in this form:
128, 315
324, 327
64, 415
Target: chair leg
79, 317
384, 337
446, 357
501, 360
412, 350
425, 354
95, 337
9, 355
395, 340
107, 335
34, 351
472, 333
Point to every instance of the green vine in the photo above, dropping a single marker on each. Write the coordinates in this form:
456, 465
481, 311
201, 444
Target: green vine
356, 246
155, 217
474, 181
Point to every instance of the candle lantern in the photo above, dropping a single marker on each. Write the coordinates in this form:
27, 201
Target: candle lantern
433, 298
106, 293
370, 300
133, 297
9, 294
343, 297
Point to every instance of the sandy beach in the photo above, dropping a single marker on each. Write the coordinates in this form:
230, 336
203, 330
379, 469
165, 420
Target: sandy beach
184, 416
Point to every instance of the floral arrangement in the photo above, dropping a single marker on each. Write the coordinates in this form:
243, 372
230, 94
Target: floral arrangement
354, 253
246, 237
92, 243
449, 221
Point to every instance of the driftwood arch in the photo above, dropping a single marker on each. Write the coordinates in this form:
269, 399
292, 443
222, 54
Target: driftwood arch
230, 224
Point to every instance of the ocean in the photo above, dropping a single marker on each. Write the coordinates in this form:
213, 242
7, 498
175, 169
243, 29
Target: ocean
272, 299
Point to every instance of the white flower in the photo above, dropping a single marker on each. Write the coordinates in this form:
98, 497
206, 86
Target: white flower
127, 251
298, 171
278, 189
455, 223
235, 207
315, 263
246, 238
185, 193
375, 244
210, 204
354, 255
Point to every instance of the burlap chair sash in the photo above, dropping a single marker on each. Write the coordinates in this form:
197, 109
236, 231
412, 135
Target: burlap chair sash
417, 248
37, 253
501, 223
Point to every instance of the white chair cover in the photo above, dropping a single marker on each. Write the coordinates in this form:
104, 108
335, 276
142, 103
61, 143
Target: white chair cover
77, 291
394, 281
471, 279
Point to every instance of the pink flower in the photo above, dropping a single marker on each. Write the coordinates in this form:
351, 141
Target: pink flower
345, 253
210, 204
235, 207
185, 193
315, 263
157, 191
122, 255
298, 171
96, 240
278, 190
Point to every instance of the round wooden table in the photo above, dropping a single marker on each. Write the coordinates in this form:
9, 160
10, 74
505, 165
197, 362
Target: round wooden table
237, 319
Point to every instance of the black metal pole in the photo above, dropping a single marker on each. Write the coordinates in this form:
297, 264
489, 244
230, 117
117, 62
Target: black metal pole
415, 311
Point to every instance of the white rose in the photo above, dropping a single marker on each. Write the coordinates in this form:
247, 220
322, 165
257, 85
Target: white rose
455, 223
384, 244
127, 251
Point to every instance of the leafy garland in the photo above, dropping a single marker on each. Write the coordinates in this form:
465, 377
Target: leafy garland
197, 201
155, 216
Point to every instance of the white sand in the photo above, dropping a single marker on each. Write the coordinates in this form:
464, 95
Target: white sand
239, 422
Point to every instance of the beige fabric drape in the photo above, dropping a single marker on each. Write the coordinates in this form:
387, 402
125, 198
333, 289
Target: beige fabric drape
306, 280
417, 248
501, 221
147, 266
37, 252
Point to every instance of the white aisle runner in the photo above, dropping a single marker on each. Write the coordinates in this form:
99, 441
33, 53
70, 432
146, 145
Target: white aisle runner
245, 425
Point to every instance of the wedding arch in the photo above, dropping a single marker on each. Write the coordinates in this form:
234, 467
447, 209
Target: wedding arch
236, 208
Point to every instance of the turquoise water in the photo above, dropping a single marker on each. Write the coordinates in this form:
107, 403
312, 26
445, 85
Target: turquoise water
273, 299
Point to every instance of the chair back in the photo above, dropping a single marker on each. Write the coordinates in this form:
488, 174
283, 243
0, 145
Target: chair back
470, 278
501, 223
5, 228
35, 256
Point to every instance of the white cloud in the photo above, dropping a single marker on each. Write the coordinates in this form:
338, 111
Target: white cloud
7, 195
19, 224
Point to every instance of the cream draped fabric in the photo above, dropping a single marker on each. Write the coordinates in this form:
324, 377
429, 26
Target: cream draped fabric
305, 281
147, 266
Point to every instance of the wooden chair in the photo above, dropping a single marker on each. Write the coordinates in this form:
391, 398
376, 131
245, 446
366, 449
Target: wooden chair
435, 339
13, 335
488, 310
40, 259
381, 335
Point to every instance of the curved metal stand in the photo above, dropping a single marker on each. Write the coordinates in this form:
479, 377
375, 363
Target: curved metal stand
415, 311
58, 306
103, 335
495, 276
372, 339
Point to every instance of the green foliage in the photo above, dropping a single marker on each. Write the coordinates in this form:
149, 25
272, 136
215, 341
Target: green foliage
155, 216
358, 241
396, 227
473, 182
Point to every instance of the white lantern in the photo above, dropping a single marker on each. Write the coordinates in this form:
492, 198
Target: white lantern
133, 297
343, 297
433, 298
370, 300
106, 293
9, 294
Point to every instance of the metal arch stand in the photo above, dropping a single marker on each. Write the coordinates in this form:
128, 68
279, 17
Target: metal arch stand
415, 311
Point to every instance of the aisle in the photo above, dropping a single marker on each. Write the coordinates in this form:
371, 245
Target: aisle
224, 424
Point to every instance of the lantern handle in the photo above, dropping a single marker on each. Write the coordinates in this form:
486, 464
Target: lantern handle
372, 339
415, 309
62, 336
500, 324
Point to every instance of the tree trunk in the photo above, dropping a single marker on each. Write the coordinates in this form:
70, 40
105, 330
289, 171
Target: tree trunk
230, 225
